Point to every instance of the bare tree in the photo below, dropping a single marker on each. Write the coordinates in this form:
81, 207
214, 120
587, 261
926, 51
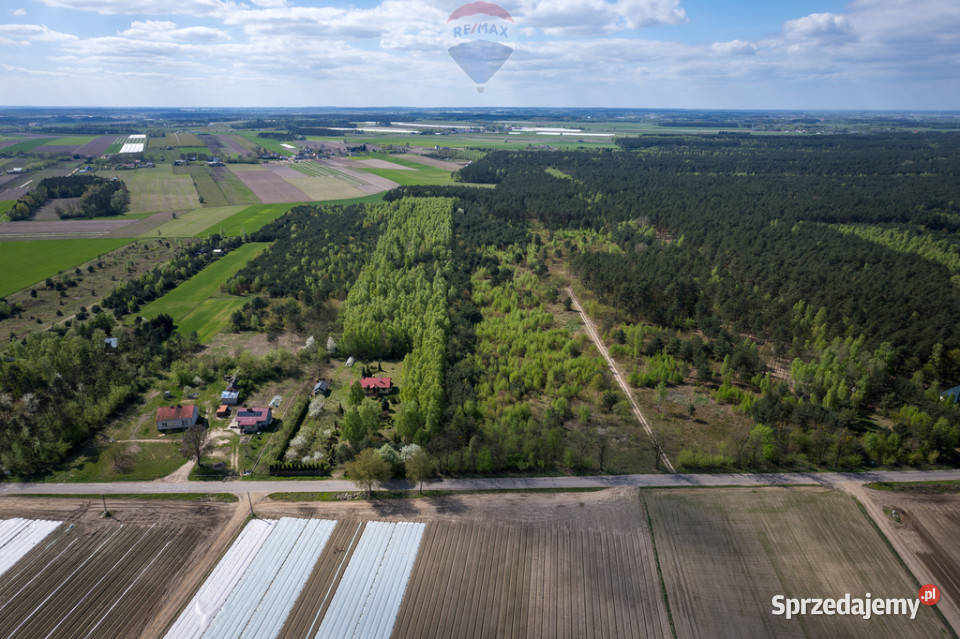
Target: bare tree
194, 443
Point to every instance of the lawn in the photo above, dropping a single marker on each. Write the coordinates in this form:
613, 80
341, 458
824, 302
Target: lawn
158, 189
194, 222
122, 461
197, 304
27, 262
5, 205
248, 220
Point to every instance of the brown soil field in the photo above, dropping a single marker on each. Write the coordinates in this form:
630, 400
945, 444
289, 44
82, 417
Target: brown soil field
929, 528
27, 229
286, 171
270, 188
49, 210
725, 553
127, 262
96, 147
234, 144
108, 577
440, 164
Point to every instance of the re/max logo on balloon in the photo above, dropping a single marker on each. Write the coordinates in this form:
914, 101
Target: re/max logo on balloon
481, 28
475, 29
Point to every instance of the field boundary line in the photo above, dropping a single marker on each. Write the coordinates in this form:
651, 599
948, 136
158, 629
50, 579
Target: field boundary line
656, 559
903, 564
595, 337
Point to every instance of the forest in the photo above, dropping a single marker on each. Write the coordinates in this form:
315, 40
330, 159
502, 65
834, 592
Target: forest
805, 286
98, 197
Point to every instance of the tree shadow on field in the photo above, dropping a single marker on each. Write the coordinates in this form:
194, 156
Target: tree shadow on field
393, 507
449, 505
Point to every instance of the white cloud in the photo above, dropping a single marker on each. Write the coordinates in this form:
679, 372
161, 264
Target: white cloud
822, 27
597, 17
19, 12
734, 47
168, 32
146, 7
34, 32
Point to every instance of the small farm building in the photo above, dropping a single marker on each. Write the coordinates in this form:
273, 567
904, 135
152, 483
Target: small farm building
177, 417
376, 385
223, 410
323, 386
253, 420
230, 398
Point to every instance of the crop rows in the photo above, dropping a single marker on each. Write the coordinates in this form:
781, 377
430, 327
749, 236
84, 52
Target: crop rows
533, 581
19, 536
105, 582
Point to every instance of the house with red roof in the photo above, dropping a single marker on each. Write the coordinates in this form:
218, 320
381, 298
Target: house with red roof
376, 386
253, 420
177, 417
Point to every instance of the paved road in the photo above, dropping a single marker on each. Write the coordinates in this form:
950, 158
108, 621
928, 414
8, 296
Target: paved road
595, 336
601, 481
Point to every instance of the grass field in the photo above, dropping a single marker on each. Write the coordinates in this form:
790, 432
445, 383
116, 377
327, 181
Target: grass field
143, 462
422, 174
27, 262
26, 145
248, 220
269, 144
197, 304
176, 140
5, 205
116, 145
158, 189
76, 140
194, 222
217, 186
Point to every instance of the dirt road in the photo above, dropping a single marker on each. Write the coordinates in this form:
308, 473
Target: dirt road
595, 336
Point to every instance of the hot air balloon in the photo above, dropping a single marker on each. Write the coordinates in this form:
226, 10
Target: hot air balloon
483, 29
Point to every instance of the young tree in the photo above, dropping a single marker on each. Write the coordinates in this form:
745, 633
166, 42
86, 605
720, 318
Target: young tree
420, 466
356, 393
368, 468
194, 443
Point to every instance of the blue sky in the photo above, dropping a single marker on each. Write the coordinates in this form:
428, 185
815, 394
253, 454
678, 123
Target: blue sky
791, 54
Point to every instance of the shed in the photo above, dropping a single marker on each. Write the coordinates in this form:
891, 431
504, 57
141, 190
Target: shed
223, 410
322, 386
112, 342
350, 362
951, 394
230, 398
177, 417
253, 420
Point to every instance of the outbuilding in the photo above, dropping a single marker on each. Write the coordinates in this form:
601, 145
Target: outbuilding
376, 385
177, 417
322, 387
230, 398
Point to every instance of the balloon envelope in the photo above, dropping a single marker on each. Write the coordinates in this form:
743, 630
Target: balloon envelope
480, 59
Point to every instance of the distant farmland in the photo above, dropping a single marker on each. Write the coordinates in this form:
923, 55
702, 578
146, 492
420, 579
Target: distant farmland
158, 189
194, 222
248, 220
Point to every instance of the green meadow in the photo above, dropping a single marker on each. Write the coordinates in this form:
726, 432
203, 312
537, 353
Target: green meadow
5, 205
197, 304
27, 262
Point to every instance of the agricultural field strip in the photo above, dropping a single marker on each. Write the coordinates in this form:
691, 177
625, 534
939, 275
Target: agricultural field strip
18, 536
259, 604
368, 598
64, 581
198, 614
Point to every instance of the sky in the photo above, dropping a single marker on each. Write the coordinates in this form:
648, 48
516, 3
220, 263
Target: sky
703, 54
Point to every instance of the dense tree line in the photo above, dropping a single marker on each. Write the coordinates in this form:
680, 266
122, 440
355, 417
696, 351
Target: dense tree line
98, 197
130, 296
398, 307
317, 254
